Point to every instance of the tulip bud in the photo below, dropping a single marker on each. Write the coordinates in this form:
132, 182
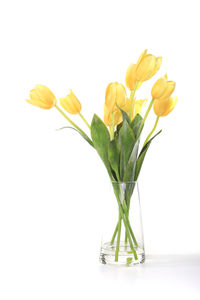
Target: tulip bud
147, 66
71, 104
162, 89
117, 116
115, 94
164, 107
42, 97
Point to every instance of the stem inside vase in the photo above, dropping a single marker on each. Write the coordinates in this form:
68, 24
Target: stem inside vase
125, 246
123, 215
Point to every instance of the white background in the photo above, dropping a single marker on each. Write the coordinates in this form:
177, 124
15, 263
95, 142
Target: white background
53, 184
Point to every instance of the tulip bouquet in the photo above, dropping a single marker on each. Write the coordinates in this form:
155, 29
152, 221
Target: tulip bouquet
116, 139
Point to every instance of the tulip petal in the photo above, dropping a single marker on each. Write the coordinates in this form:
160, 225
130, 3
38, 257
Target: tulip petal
45, 94
165, 77
173, 104
157, 66
141, 56
159, 88
70, 103
110, 96
145, 67
108, 119
164, 107
130, 77
168, 91
115, 94
42, 97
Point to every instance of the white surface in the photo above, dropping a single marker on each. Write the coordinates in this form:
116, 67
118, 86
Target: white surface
52, 194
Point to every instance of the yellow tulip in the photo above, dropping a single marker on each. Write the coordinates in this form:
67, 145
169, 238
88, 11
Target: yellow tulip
115, 94
163, 88
137, 107
71, 104
42, 97
130, 77
156, 67
164, 107
147, 66
117, 116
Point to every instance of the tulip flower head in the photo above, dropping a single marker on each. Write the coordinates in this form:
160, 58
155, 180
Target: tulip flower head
42, 97
163, 88
146, 66
71, 104
117, 116
115, 94
163, 107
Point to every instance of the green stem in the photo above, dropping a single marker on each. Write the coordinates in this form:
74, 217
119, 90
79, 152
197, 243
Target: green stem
129, 225
114, 234
146, 115
148, 109
126, 227
152, 131
84, 120
118, 238
128, 206
112, 132
126, 239
132, 99
126, 209
128, 233
70, 121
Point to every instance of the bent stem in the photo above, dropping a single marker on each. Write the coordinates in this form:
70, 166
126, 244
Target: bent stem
84, 120
152, 131
70, 121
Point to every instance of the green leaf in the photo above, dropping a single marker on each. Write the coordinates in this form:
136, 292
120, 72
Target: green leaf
135, 124
118, 128
113, 157
130, 170
84, 136
129, 191
125, 143
101, 139
124, 115
142, 155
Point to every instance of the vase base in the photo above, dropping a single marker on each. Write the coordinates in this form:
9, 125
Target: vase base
125, 255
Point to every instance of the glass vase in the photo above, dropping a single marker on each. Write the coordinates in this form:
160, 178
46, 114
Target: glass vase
122, 242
